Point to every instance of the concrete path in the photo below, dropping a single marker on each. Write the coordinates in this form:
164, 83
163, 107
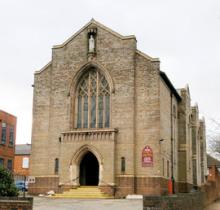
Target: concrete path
214, 206
41, 203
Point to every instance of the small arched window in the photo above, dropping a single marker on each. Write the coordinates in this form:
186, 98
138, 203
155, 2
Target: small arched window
56, 166
123, 164
93, 101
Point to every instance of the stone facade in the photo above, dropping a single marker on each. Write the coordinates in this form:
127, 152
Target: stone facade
146, 111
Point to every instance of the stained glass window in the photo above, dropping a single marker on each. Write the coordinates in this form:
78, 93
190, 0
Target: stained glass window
100, 111
79, 122
93, 94
85, 112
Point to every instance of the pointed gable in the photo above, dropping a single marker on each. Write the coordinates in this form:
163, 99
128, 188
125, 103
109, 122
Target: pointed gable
94, 23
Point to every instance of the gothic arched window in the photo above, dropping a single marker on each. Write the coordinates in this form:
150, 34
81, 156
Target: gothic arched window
93, 101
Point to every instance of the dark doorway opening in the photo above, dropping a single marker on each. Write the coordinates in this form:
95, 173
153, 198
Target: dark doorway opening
89, 170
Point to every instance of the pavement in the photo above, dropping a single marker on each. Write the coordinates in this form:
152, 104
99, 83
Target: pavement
214, 206
43, 203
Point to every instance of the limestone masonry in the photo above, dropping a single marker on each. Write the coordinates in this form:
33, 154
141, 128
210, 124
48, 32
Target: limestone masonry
104, 114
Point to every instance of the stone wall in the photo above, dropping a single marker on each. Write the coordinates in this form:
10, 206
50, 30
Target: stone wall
183, 201
168, 132
184, 142
8, 203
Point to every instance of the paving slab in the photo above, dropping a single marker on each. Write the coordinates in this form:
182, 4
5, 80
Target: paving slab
43, 203
214, 206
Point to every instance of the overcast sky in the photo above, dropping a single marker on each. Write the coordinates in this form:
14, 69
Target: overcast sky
184, 34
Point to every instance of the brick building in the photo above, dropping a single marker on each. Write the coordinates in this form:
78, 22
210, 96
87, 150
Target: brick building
104, 114
213, 168
22, 156
7, 139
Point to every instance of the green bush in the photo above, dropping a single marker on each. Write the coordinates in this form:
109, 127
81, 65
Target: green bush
7, 185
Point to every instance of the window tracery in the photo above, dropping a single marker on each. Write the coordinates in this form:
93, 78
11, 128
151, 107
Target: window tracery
93, 98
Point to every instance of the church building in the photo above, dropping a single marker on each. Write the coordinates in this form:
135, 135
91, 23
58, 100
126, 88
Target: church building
105, 115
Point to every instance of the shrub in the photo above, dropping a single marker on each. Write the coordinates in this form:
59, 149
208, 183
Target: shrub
7, 185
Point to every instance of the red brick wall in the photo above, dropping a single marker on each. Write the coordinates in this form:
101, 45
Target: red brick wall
44, 184
212, 187
18, 169
6, 150
213, 173
7, 203
182, 201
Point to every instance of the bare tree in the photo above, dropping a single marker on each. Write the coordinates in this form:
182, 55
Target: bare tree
213, 138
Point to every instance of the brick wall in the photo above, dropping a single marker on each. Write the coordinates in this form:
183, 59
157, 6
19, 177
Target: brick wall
8, 203
212, 187
183, 201
18, 169
208, 193
43, 185
7, 149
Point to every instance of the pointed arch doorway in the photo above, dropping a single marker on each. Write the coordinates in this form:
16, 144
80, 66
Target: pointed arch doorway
89, 170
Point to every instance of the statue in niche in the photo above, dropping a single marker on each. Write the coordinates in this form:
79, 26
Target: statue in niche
91, 44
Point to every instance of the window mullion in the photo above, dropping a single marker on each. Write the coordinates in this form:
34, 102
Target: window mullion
89, 100
97, 98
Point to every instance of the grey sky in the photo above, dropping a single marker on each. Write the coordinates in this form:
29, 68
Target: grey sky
183, 34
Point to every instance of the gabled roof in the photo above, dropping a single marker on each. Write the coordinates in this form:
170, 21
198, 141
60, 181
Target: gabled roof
170, 85
94, 22
23, 149
7, 113
211, 161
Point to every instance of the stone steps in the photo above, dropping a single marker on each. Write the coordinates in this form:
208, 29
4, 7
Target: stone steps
90, 192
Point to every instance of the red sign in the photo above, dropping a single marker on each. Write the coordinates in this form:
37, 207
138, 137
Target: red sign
147, 157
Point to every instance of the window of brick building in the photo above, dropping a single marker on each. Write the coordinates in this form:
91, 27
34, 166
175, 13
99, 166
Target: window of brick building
11, 135
1, 161
4, 127
93, 101
25, 162
9, 165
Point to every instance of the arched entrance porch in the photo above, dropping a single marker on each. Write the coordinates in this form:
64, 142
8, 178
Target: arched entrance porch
89, 170
86, 167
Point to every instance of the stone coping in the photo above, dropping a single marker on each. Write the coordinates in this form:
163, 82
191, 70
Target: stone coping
90, 131
16, 199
